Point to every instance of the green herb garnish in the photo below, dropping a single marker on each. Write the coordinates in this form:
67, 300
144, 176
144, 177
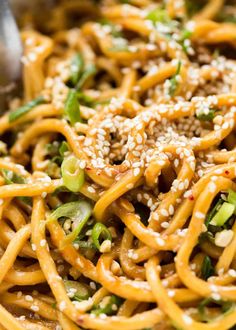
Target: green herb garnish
88, 72
207, 269
78, 291
11, 177
223, 214
77, 64
173, 81
78, 212
72, 108
158, 15
213, 211
209, 116
99, 232
110, 308
226, 307
72, 174
19, 112
63, 148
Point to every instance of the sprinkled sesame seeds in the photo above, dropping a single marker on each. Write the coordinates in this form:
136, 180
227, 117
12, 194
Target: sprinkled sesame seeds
199, 215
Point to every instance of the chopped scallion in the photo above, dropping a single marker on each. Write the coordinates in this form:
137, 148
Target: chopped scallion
100, 231
77, 291
88, 72
19, 112
108, 309
78, 212
232, 198
72, 108
11, 177
77, 64
224, 213
173, 81
207, 269
213, 211
63, 148
158, 15
209, 116
72, 174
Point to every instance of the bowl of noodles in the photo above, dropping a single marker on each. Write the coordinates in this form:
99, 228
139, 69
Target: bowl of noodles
117, 164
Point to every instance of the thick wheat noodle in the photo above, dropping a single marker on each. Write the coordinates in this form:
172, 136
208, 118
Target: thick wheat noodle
154, 169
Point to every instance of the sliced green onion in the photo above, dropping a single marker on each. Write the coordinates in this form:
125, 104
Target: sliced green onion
206, 116
52, 148
88, 72
115, 32
63, 148
226, 307
232, 198
72, 174
54, 305
11, 177
185, 34
158, 15
100, 231
207, 269
72, 108
213, 211
77, 64
19, 112
108, 309
84, 244
79, 213
85, 99
224, 213
173, 81
77, 291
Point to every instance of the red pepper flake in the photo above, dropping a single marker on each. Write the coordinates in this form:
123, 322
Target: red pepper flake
191, 198
80, 321
226, 172
88, 168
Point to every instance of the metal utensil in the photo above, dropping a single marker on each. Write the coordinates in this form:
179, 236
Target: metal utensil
10, 53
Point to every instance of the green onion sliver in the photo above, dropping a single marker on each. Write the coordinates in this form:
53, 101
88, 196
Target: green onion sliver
88, 72
100, 230
108, 309
63, 148
224, 213
19, 112
208, 116
207, 269
232, 198
72, 174
72, 108
11, 177
77, 291
77, 64
173, 81
158, 15
79, 213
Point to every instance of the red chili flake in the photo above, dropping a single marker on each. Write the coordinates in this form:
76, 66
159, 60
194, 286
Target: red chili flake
191, 198
88, 168
226, 172
80, 321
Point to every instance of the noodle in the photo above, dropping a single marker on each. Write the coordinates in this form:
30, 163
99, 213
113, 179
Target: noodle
118, 168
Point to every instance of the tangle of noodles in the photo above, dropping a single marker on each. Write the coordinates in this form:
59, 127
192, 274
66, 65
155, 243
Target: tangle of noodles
118, 169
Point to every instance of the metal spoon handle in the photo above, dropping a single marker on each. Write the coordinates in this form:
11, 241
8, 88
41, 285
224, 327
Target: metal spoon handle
10, 50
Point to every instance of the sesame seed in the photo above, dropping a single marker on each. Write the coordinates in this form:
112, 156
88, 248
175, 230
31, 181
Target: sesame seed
199, 215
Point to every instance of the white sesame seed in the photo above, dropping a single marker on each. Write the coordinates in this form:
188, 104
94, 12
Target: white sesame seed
199, 215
